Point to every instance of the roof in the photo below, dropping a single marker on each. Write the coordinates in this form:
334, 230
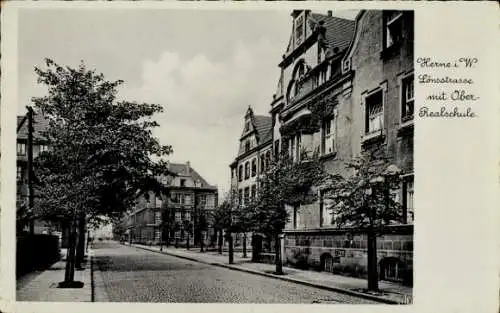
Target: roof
263, 126
339, 31
40, 124
181, 170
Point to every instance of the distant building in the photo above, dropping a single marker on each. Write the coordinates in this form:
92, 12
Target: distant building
253, 157
189, 196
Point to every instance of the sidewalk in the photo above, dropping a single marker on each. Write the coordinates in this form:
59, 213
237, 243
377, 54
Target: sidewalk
42, 286
392, 293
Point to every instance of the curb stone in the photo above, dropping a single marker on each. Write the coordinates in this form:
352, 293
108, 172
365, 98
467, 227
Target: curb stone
288, 279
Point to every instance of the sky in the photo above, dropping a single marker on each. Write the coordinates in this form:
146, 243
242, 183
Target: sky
205, 67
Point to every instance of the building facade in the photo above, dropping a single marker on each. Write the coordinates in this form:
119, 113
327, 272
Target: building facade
189, 196
254, 156
347, 87
39, 125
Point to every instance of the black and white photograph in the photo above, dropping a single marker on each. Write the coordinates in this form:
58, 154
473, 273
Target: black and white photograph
215, 156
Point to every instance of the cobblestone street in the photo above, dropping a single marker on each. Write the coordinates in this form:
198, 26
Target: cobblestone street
128, 274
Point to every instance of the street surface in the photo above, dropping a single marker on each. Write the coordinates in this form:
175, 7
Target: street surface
130, 274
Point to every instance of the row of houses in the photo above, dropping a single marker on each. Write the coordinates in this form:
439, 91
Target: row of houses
345, 87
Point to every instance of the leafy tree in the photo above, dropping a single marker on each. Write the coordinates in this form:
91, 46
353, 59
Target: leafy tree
224, 217
364, 200
285, 183
100, 159
119, 228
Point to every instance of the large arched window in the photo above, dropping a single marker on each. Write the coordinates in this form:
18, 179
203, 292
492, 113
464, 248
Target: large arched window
294, 85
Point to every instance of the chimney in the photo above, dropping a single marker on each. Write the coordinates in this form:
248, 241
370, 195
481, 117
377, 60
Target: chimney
188, 168
329, 13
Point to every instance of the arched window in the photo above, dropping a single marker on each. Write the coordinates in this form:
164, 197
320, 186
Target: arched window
268, 158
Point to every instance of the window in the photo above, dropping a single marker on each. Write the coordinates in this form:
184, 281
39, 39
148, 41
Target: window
262, 163
254, 192
374, 112
187, 199
296, 217
203, 201
326, 212
240, 173
19, 173
292, 147
247, 126
254, 167
329, 136
276, 149
299, 30
21, 149
295, 147
268, 159
247, 170
178, 217
408, 194
246, 195
183, 183
393, 22
175, 198
240, 196
211, 201
247, 145
407, 105
43, 148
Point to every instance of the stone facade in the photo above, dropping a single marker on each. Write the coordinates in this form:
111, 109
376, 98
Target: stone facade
356, 77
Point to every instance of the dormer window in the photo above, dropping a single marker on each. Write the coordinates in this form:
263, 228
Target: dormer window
299, 30
247, 145
247, 126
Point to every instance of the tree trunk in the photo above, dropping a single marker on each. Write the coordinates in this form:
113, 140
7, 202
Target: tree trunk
187, 241
80, 248
220, 242
69, 272
176, 242
202, 242
372, 262
244, 245
231, 250
277, 247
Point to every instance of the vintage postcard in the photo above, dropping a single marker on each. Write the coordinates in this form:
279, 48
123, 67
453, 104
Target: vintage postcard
249, 156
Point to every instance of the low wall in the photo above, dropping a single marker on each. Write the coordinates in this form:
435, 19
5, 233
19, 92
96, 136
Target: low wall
337, 252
